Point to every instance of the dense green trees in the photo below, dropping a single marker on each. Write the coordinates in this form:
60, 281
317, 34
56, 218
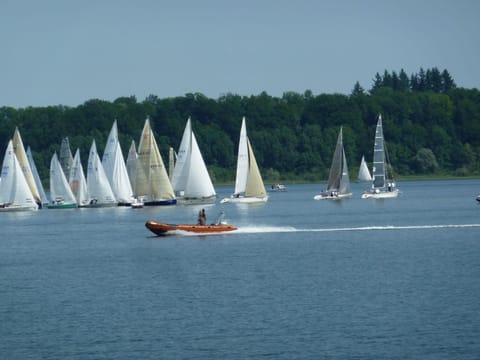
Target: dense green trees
430, 126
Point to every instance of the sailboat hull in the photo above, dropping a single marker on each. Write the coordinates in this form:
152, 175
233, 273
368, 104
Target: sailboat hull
329, 196
380, 194
193, 201
13, 207
63, 206
160, 202
162, 229
245, 200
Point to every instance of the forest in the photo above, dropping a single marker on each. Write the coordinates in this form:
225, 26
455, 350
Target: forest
431, 127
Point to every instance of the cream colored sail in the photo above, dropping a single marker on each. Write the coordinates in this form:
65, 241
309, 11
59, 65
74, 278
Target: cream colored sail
255, 186
152, 178
25, 165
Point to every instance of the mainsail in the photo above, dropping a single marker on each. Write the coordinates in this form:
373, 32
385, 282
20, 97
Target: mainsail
78, 183
115, 168
99, 189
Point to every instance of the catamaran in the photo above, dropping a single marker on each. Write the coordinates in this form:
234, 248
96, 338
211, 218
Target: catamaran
249, 187
383, 184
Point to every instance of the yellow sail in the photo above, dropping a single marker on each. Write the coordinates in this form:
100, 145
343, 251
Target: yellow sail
152, 178
25, 165
255, 186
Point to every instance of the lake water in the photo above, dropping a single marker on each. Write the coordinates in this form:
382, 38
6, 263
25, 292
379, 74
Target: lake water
300, 279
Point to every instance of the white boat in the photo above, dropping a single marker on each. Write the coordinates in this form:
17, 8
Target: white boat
363, 172
25, 165
15, 194
338, 186
249, 187
191, 181
383, 184
60, 193
36, 177
151, 180
65, 157
99, 189
78, 183
115, 168
278, 188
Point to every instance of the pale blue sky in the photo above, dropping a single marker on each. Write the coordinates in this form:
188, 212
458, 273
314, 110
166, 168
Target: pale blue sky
66, 52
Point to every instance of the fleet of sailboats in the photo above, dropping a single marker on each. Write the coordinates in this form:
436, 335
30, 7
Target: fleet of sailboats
383, 184
190, 180
143, 179
338, 186
249, 187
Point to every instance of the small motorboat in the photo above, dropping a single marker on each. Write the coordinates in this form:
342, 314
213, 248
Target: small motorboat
161, 229
278, 187
478, 198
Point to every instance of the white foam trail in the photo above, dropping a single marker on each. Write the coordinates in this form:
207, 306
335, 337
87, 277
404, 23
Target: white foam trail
283, 229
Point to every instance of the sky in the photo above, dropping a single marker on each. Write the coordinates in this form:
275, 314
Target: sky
65, 52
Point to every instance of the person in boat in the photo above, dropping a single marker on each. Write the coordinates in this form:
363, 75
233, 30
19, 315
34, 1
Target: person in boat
202, 217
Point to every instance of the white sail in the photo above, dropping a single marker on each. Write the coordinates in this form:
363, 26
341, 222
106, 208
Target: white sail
191, 180
132, 164
15, 194
152, 181
383, 185
249, 186
36, 177
242, 161
66, 158
60, 192
115, 168
99, 189
171, 162
25, 165
78, 183
363, 172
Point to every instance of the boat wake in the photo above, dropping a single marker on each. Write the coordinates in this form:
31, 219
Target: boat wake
291, 229
288, 229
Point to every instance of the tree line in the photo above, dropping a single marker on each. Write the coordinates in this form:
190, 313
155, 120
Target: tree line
431, 126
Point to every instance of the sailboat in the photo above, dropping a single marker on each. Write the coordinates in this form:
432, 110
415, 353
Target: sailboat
191, 181
115, 168
65, 157
338, 186
99, 189
36, 177
15, 194
363, 172
78, 183
151, 179
60, 192
25, 165
249, 187
383, 185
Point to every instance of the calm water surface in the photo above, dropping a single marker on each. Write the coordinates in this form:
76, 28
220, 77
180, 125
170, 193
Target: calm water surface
300, 279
